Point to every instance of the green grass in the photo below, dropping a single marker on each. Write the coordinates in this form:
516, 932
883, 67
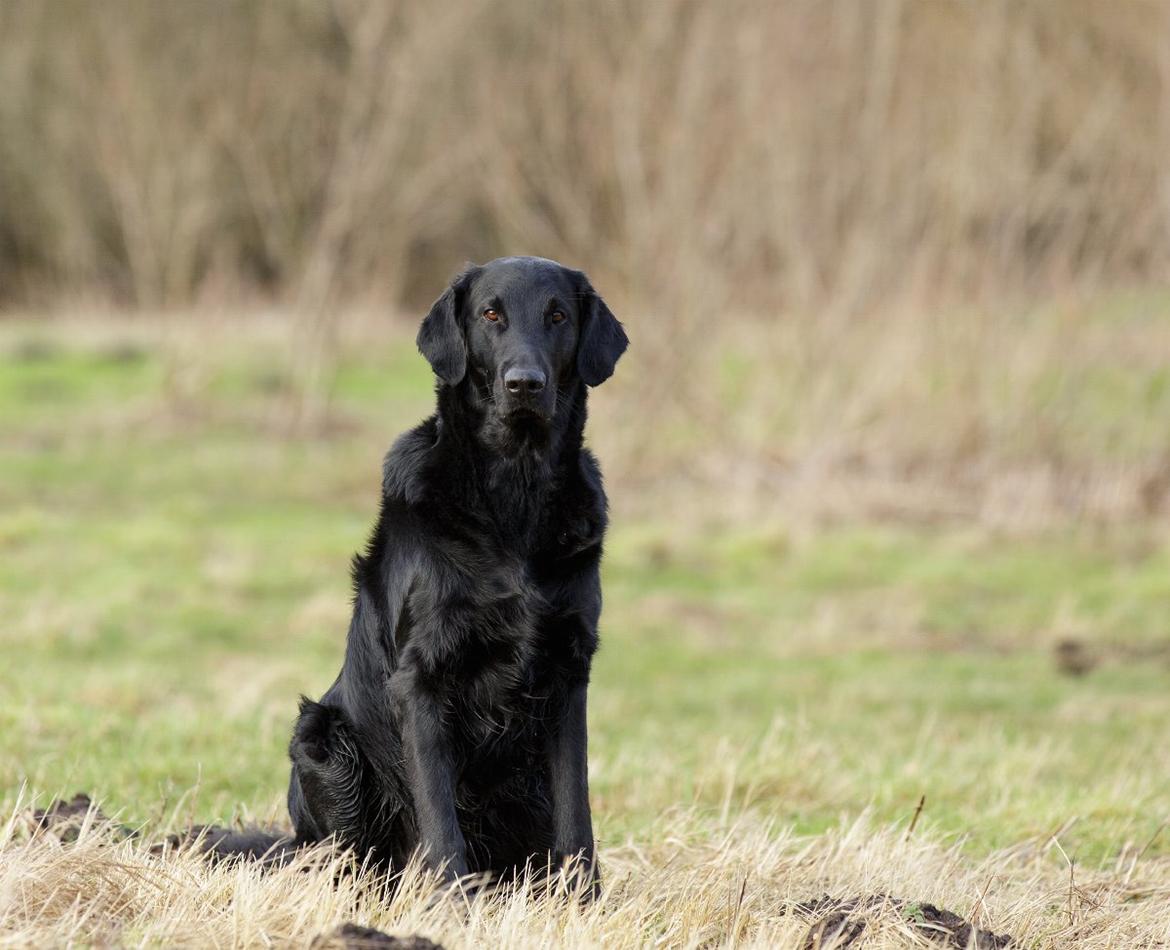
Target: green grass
171, 581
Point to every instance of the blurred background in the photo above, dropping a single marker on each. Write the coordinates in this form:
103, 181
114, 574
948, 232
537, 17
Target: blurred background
889, 456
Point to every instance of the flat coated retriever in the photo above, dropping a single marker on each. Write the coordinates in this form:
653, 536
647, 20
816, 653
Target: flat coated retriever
456, 728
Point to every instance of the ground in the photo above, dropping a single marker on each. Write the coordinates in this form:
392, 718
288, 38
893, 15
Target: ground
773, 698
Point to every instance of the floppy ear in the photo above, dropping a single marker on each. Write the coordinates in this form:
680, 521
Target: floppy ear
602, 338
440, 338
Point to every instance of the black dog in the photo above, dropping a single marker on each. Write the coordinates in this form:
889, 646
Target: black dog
456, 727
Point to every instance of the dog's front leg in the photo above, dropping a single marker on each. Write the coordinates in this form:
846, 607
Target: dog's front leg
431, 779
572, 821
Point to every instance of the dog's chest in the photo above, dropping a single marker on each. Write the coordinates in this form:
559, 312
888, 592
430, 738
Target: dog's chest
506, 631
505, 667
479, 624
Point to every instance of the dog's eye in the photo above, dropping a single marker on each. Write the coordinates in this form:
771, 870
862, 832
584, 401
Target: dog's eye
490, 314
557, 316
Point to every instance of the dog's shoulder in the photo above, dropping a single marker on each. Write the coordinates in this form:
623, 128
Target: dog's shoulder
405, 465
586, 491
579, 518
590, 473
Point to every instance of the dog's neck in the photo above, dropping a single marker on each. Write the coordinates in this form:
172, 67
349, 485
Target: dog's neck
516, 466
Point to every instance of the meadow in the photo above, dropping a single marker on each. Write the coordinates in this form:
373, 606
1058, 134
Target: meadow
962, 600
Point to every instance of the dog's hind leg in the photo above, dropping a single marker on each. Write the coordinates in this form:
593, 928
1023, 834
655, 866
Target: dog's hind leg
326, 796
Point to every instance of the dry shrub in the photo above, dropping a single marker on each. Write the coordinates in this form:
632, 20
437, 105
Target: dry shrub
791, 155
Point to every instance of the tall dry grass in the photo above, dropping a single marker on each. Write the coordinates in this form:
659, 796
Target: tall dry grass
694, 885
794, 155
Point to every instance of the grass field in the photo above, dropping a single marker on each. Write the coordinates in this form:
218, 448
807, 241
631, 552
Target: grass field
772, 699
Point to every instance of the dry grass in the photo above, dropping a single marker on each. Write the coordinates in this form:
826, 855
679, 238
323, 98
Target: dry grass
1013, 418
685, 883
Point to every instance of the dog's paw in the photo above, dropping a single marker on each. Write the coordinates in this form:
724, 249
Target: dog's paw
580, 877
459, 894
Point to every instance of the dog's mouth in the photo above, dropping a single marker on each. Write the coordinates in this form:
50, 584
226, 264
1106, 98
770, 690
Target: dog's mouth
526, 416
520, 427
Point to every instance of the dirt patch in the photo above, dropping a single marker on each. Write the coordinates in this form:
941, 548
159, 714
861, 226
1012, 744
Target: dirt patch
353, 937
65, 819
840, 923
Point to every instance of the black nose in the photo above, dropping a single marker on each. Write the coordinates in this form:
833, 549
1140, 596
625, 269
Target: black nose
524, 382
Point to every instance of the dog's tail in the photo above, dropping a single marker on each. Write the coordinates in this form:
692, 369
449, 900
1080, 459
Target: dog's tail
253, 844
66, 819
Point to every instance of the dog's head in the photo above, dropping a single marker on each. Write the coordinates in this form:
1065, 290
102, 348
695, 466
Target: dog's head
523, 329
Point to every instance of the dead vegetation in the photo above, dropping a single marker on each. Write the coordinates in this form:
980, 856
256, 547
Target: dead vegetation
689, 884
862, 194
796, 156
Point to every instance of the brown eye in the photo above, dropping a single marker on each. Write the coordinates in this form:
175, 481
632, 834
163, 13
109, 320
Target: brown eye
557, 316
492, 315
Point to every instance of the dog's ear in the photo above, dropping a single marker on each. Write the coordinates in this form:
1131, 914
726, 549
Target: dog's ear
440, 338
602, 339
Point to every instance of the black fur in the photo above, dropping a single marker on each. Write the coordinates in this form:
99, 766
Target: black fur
457, 724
